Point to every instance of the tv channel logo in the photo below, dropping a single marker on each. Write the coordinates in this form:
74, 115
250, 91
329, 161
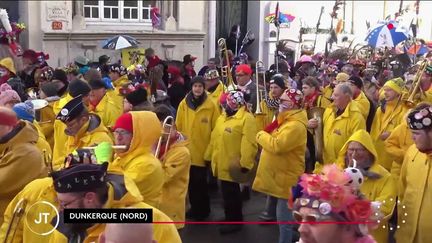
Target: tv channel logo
39, 217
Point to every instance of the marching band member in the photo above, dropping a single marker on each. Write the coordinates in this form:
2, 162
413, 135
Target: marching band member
282, 158
232, 140
137, 160
196, 119
387, 117
83, 129
414, 209
328, 90
359, 97
137, 100
21, 161
118, 75
378, 184
213, 85
46, 115
243, 75
312, 94
176, 162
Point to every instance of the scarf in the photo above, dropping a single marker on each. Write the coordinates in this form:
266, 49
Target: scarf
177, 136
194, 102
311, 100
272, 103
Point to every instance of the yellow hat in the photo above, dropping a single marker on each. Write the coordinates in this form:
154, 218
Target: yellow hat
396, 84
8, 63
342, 77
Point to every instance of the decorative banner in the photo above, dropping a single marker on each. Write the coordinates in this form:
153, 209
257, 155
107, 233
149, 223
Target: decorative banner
132, 56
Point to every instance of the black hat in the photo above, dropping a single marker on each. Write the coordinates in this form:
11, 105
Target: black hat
80, 178
137, 97
96, 84
356, 81
50, 89
59, 74
71, 110
79, 87
197, 79
279, 80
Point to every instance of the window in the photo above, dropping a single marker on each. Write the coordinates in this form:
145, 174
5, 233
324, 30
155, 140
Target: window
118, 11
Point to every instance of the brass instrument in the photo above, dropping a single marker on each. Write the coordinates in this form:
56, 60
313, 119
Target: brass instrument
259, 66
15, 220
48, 161
317, 113
410, 101
226, 70
167, 123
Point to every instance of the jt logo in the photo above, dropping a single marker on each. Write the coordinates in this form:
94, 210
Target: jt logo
42, 215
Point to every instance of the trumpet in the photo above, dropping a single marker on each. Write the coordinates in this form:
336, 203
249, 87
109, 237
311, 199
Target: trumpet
415, 88
16, 217
167, 123
259, 66
226, 70
113, 146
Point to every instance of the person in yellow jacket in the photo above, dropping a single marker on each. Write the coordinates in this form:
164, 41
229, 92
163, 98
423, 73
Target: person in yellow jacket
340, 121
213, 85
270, 106
378, 184
396, 146
103, 104
83, 129
76, 88
414, 209
359, 97
138, 131
387, 117
232, 141
20, 160
46, 115
282, 159
196, 118
327, 91
118, 75
176, 161
110, 190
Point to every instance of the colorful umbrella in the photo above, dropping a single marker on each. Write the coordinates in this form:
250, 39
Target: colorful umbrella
119, 42
283, 18
387, 34
418, 49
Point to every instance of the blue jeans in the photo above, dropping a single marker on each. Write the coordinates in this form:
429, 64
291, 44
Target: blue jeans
285, 215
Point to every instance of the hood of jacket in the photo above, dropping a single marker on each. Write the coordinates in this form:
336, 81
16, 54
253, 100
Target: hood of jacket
24, 132
362, 137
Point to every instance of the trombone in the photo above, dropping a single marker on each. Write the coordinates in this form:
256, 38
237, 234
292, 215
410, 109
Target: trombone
167, 123
259, 67
14, 223
415, 88
226, 70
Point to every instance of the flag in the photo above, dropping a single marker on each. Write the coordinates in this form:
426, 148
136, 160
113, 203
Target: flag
155, 17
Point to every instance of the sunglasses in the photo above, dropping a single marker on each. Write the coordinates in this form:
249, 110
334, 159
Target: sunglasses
309, 218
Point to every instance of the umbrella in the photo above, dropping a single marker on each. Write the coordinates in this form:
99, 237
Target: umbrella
283, 18
120, 42
418, 49
387, 34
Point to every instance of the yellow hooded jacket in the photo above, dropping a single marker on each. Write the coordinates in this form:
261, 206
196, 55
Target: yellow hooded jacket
108, 110
115, 95
20, 162
197, 126
84, 138
397, 145
176, 164
415, 193
60, 138
215, 95
382, 189
46, 122
233, 138
123, 193
42, 143
363, 104
138, 162
282, 159
337, 130
386, 122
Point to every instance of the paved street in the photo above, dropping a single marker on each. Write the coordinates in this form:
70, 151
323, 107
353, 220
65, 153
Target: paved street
249, 233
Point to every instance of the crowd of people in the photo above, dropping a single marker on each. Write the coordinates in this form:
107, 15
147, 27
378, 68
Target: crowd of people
102, 135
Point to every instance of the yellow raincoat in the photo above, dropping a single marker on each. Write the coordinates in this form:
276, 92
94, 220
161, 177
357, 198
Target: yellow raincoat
396, 146
60, 138
327, 92
115, 95
386, 122
108, 110
415, 193
232, 139
42, 143
20, 163
129, 197
197, 126
337, 130
139, 163
83, 138
382, 189
266, 118
46, 122
176, 164
363, 104
35, 191
215, 95
282, 159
